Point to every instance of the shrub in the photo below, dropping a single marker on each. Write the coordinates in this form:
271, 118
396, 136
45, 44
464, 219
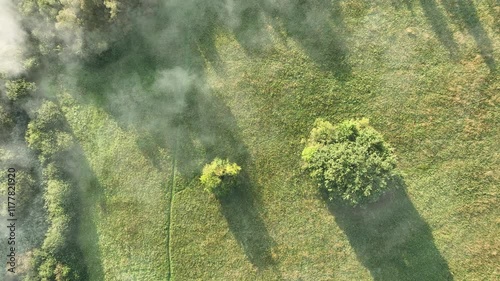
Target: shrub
350, 161
26, 189
218, 176
18, 89
56, 238
47, 132
5, 118
50, 269
46, 268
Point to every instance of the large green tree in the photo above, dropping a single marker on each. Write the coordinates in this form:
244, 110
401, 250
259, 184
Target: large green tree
350, 161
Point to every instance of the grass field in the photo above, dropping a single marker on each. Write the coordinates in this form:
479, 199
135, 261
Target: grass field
122, 229
424, 72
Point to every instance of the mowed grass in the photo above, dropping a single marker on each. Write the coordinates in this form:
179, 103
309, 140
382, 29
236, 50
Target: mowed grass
125, 201
437, 106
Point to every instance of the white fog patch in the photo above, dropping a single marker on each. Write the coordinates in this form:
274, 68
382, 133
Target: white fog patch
12, 39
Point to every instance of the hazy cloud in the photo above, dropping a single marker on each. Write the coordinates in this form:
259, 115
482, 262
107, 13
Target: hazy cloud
12, 39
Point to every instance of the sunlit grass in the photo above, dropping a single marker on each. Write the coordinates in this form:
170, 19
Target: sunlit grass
440, 114
128, 200
438, 107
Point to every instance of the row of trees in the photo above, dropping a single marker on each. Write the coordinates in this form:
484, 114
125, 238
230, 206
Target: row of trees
14, 117
58, 258
55, 258
56, 32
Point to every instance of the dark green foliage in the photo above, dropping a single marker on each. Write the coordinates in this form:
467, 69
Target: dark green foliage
46, 134
46, 268
218, 176
26, 188
6, 122
19, 89
351, 160
57, 258
5, 119
49, 268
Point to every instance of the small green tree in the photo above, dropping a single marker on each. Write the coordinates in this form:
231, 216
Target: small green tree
218, 176
350, 161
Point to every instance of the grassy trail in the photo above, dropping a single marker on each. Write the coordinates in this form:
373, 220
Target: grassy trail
170, 199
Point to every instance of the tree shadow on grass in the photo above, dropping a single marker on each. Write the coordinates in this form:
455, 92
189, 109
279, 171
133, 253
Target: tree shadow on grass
87, 197
407, 3
437, 20
391, 239
318, 27
208, 121
465, 15
189, 121
205, 128
238, 207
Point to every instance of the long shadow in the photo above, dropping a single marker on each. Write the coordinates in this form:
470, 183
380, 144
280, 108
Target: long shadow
207, 129
318, 26
250, 29
314, 30
90, 200
407, 3
174, 110
82, 251
437, 20
85, 198
465, 15
391, 239
246, 224
209, 121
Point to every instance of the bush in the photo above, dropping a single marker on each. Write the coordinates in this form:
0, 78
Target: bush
50, 269
26, 189
46, 268
47, 133
5, 118
19, 89
350, 161
218, 176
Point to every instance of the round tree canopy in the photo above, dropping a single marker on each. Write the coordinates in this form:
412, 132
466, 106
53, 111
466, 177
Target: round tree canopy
351, 160
217, 176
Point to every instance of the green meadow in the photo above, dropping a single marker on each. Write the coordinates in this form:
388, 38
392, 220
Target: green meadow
424, 72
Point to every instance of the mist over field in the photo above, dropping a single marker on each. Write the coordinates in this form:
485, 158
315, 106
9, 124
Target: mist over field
12, 39
110, 110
